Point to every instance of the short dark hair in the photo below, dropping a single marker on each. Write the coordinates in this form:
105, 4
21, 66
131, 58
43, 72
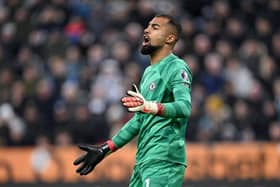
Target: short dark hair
173, 22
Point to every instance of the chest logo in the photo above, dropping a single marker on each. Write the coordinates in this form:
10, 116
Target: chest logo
152, 86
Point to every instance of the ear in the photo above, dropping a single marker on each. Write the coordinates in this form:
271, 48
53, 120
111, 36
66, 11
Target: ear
171, 38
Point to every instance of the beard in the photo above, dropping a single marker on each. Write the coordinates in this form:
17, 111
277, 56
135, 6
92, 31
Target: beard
148, 49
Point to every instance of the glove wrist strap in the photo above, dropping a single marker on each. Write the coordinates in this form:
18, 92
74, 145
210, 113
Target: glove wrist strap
105, 148
160, 109
111, 146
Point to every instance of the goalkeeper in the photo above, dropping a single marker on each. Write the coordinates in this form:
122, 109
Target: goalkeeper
162, 106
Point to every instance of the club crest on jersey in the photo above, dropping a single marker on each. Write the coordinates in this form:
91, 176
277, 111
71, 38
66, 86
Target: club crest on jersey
152, 86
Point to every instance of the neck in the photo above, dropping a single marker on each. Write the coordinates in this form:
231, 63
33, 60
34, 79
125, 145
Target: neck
159, 54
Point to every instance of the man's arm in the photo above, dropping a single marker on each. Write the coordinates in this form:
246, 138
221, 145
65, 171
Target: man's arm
95, 154
127, 132
180, 84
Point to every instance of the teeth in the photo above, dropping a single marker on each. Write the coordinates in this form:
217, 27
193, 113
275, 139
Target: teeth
146, 38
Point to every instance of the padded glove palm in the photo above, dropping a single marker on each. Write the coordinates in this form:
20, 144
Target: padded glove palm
136, 102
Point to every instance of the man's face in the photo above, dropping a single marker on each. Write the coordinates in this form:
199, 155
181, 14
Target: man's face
155, 35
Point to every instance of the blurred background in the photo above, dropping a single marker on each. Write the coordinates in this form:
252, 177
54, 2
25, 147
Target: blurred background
65, 64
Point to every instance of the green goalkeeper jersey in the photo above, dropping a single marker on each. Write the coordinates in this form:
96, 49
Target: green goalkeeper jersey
161, 137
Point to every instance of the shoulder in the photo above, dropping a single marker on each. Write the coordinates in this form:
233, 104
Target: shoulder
179, 71
177, 64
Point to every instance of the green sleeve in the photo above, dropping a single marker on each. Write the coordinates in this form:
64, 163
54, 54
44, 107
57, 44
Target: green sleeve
127, 132
180, 84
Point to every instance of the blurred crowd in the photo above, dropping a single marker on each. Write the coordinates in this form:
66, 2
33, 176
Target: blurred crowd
65, 64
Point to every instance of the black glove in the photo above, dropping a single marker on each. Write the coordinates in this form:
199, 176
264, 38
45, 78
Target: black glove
94, 155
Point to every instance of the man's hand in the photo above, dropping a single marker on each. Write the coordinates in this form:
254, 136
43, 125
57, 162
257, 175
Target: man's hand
136, 102
94, 155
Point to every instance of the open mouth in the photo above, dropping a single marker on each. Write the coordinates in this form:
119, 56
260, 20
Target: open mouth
146, 40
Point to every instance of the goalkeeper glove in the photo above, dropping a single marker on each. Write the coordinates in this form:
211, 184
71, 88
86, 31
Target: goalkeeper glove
94, 155
137, 103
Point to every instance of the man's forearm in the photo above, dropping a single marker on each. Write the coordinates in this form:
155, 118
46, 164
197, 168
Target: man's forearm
175, 109
126, 133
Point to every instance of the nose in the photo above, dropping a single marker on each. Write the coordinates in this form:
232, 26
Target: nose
146, 30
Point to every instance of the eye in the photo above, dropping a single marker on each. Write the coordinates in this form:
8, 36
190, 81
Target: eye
155, 27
